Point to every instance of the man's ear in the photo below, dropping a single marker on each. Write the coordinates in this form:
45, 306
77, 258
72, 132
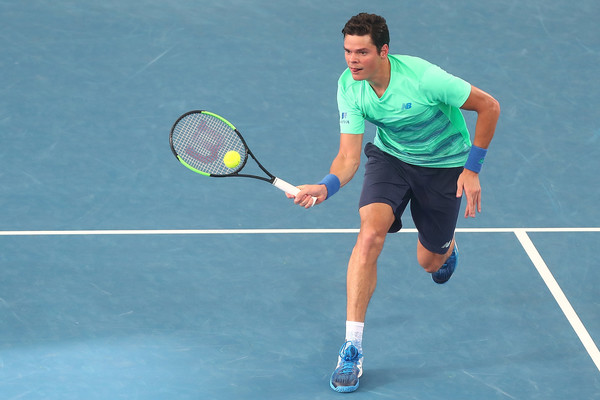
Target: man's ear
385, 49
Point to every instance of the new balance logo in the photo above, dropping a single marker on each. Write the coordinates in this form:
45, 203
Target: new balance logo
344, 118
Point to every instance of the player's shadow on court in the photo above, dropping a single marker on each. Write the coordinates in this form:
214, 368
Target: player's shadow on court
374, 378
379, 377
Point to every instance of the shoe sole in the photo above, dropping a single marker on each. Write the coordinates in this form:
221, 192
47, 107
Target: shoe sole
344, 389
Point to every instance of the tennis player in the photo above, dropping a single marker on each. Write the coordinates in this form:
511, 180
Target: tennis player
422, 155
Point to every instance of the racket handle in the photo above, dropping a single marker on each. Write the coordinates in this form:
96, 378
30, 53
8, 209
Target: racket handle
289, 188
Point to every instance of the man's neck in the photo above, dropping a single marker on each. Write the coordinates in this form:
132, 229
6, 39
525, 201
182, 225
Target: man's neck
381, 82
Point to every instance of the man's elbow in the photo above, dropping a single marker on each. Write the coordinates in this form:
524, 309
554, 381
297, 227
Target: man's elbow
495, 107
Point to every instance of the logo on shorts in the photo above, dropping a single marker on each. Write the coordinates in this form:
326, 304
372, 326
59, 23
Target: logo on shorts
447, 245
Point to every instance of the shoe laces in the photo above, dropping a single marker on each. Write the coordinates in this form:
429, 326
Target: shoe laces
350, 356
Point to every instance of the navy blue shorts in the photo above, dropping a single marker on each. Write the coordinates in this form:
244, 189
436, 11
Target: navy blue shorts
430, 191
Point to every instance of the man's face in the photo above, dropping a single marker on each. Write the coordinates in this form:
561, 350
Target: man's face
362, 57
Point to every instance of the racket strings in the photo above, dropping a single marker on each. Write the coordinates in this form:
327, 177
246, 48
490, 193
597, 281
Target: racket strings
202, 140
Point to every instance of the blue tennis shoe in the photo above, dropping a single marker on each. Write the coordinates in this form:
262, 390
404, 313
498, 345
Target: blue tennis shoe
445, 272
349, 368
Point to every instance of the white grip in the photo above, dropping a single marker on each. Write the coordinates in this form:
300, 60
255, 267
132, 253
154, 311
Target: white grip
289, 188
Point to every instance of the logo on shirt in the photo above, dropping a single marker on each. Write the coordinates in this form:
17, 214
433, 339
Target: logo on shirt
406, 106
344, 118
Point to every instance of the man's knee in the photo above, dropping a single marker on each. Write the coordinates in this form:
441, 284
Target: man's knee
431, 265
429, 260
371, 239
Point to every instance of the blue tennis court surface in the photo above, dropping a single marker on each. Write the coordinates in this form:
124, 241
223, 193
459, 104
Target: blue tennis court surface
127, 276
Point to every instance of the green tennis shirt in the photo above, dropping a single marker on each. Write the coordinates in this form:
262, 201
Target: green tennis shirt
418, 118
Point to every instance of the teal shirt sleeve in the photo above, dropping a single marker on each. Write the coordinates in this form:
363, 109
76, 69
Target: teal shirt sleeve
352, 119
441, 87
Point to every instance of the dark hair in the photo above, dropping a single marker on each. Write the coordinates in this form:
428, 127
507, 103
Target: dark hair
369, 24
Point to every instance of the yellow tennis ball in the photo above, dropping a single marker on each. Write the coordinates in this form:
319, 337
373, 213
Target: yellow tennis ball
232, 159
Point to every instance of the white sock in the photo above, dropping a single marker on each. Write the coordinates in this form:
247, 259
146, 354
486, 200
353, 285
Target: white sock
354, 333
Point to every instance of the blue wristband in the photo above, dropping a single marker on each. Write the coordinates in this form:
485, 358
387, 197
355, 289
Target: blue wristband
475, 160
332, 183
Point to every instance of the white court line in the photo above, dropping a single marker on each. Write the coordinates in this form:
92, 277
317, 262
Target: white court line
559, 296
175, 232
264, 231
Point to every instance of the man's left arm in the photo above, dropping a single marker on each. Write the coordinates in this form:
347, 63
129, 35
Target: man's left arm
488, 112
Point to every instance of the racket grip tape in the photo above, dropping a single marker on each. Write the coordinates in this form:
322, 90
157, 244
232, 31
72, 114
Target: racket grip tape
289, 188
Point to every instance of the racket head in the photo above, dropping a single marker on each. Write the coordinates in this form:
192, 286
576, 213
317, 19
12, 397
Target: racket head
200, 139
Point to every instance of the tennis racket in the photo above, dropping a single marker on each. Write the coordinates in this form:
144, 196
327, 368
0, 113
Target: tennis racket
200, 140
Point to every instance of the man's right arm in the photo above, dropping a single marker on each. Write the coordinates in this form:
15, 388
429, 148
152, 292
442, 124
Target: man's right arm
347, 161
344, 166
